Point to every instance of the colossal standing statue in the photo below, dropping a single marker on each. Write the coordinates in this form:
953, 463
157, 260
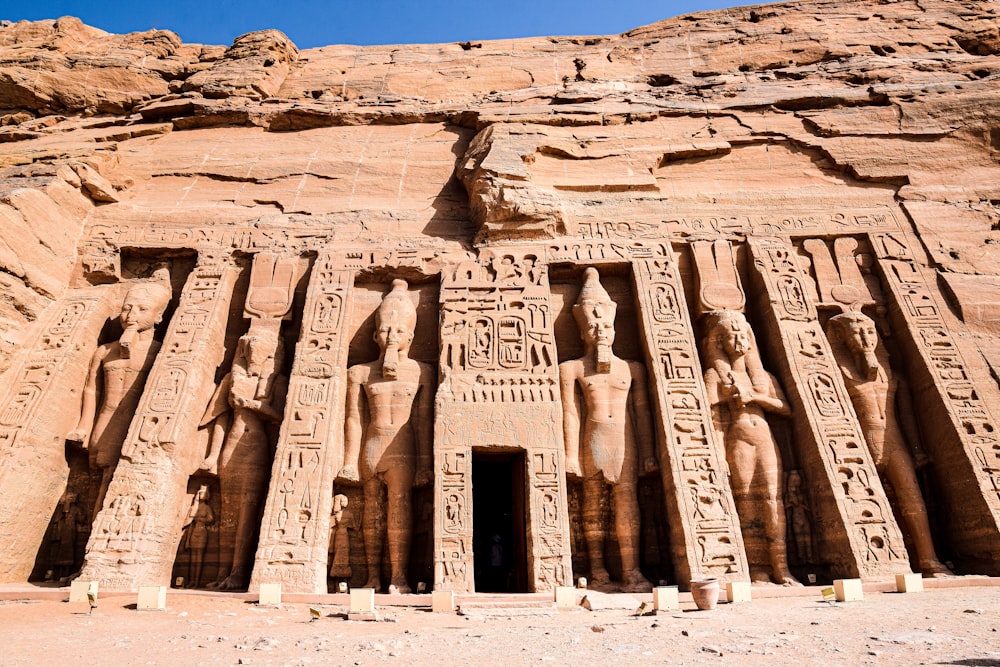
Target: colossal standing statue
255, 391
874, 391
393, 448
616, 434
740, 392
117, 376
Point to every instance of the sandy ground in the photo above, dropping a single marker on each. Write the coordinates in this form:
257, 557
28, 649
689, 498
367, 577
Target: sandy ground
957, 626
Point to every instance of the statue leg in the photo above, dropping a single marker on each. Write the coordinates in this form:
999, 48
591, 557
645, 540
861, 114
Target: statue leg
253, 487
742, 459
106, 474
372, 530
229, 489
399, 528
627, 524
593, 534
903, 476
771, 474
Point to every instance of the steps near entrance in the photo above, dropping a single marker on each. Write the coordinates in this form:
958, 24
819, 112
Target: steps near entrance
506, 605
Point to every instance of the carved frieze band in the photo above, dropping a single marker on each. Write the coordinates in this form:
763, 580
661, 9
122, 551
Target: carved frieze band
875, 538
973, 423
294, 531
692, 462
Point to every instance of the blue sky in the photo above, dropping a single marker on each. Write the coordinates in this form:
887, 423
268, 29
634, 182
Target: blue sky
312, 23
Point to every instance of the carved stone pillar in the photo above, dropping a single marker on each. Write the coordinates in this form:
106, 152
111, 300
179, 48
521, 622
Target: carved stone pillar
500, 392
856, 529
135, 536
40, 406
962, 434
704, 530
294, 533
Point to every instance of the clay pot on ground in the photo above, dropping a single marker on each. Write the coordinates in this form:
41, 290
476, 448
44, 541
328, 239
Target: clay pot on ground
705, 593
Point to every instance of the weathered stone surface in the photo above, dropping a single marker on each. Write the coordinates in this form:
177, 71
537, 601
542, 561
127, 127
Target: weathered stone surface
771, 168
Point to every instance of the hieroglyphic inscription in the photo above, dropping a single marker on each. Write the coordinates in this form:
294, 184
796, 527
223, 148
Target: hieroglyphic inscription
293, 535
973, 424
875, 541
707, 538
129, 543
688, 223
37, 410
499, 389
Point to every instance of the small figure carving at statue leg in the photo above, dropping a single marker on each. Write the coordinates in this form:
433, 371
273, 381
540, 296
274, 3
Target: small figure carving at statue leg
199, 519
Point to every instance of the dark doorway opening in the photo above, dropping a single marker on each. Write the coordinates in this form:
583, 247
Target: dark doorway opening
498, 520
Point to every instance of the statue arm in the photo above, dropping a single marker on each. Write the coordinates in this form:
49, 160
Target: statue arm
642, 418
274, 407
423, 425
773, 400
352, 427
571, 418
88, 411
217, 414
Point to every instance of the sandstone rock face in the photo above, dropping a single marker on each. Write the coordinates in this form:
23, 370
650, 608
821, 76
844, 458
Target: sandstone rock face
792, 212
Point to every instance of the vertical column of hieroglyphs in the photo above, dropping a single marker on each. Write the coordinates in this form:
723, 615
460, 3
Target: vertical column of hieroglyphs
499, 389
294, 532
857, 531
705, 531
134, 537
36, 414
963, 438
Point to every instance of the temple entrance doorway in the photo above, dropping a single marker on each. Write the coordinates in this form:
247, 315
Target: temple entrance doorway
498, 521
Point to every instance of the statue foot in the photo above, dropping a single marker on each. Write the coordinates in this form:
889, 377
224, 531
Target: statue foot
933, 568
599, 578
786, 579
760, 576
634, 582
400, 589
374, 582
234, 582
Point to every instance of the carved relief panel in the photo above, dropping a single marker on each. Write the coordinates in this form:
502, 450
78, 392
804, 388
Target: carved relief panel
132, 540
34, 421
705, 531
499, 390
857, 528
293, 534
961, 430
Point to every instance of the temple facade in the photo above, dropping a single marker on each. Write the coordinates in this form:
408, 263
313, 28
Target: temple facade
473, 342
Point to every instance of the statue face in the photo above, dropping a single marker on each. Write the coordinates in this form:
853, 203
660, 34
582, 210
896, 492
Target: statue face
139, 310
395, 331
736, 340
861, 336
599, 321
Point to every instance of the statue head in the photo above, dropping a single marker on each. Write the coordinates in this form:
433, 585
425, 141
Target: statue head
595, 316
730, 330
142, 308
203, 492
340, 503
395, 320
262, 343
856, 331
144, 304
